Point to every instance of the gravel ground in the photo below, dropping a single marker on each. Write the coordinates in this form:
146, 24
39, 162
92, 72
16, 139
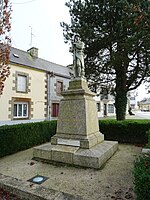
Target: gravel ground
113, 181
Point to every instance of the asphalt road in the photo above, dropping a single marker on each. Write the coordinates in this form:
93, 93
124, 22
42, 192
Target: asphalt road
137, 115
140, 115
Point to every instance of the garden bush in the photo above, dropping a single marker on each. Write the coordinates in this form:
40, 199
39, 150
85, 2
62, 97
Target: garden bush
148, 135
142, 178
19, 137
127, 131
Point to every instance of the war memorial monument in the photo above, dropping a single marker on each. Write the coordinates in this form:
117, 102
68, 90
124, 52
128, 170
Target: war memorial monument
77, 141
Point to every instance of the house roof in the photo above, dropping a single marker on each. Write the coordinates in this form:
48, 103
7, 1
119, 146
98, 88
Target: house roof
145, 101
24, 58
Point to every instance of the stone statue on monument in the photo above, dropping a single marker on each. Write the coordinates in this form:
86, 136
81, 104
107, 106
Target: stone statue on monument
78, 69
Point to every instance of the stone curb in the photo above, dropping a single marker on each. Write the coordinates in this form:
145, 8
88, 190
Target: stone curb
28, 191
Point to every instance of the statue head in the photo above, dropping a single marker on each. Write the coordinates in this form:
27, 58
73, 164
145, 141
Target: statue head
77, 37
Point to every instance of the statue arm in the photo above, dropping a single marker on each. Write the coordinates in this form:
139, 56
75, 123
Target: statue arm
79, 45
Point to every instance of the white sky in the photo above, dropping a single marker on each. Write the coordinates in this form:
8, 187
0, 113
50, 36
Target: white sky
44, 16
142, 93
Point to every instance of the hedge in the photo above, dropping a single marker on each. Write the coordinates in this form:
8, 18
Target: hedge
142, 178
127, 131
148, 135
19, 137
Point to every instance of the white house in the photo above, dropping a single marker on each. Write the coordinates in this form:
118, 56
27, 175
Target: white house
105, 105
33, 90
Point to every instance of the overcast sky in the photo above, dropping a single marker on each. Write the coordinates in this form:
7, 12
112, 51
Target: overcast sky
43, 17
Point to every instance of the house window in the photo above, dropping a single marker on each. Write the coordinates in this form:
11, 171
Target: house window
132, 98
110, 108
104, 96
98, 107
59, 87
55, 109
21, 110
22, 82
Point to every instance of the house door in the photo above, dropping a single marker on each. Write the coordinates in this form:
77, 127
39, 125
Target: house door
55, 109
105, 109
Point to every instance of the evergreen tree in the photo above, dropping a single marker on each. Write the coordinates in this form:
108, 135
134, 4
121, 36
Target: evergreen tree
116, 34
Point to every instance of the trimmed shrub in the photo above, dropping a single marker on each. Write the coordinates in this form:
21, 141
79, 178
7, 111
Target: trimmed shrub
127, 131
142, 178
148, 135
19, 137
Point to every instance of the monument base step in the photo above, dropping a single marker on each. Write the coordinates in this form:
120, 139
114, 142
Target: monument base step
94, 157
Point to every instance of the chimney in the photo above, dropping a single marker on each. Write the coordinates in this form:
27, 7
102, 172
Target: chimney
33, 51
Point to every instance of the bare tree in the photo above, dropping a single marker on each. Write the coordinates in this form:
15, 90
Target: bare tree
5, 41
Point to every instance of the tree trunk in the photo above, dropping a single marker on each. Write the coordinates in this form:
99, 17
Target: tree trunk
120, 103
121, 94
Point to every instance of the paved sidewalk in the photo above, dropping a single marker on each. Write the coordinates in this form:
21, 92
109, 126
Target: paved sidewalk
115, 178
137, 115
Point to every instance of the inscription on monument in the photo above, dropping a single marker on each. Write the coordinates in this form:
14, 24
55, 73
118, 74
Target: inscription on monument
68, 142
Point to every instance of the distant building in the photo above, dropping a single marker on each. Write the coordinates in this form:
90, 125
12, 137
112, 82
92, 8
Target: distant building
105, 105
144, 105
132, 101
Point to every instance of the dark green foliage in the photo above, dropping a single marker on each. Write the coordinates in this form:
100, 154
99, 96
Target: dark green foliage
23, 136
116, 34
148, 135
128, 131
142, 178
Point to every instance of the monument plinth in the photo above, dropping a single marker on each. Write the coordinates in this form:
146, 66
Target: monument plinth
78, 140
77, 121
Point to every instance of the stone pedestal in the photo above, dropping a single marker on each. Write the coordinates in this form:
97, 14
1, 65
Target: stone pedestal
77, 140
77, 122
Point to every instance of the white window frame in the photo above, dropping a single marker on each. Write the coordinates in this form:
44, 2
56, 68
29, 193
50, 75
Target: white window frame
22, 116
111, 108
21, 83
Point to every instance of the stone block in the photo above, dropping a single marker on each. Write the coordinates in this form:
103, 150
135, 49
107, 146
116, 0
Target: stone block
68, 142
78, 84
77, 112
77, 118
146, 151
64, 154
92, 140
96, 156
43, 152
